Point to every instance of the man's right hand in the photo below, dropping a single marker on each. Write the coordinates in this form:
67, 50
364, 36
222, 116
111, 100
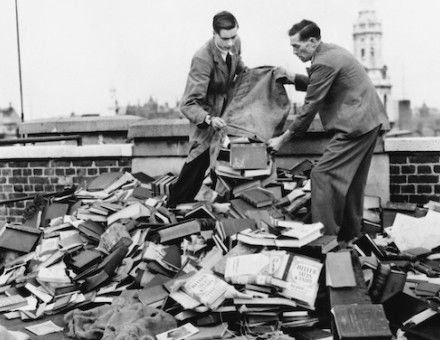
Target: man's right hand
218, 123
274, 144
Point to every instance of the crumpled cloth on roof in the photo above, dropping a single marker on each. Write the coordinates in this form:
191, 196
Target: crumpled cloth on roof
6, 334
118, 322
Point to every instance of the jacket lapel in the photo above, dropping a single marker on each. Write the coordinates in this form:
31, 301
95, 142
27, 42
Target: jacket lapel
220, 63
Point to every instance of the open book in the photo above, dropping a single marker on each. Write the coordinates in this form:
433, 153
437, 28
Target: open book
259, 238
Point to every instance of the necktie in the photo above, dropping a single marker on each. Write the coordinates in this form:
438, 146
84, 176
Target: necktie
228, 62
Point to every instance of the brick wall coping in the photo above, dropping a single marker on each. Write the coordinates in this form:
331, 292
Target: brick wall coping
78, 124
156, 128
66, 151
412, 144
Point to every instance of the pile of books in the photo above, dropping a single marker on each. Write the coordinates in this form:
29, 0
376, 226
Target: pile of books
246, 261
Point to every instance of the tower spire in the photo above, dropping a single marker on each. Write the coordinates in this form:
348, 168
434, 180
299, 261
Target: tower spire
367, 42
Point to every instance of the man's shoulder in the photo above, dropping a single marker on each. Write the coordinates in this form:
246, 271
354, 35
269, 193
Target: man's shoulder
332, 55
205, 52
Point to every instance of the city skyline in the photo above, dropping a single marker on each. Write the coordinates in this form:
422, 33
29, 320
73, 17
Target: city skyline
75, 52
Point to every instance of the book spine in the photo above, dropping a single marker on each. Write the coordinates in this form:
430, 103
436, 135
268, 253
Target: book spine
249, 200
379, 280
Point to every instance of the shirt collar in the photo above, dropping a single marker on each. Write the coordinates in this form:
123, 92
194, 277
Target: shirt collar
223, 53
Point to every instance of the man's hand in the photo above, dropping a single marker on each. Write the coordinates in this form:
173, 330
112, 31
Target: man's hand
290, 76
274, 144
218, 123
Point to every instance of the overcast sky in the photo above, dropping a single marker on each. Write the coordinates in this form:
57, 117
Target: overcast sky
75, 51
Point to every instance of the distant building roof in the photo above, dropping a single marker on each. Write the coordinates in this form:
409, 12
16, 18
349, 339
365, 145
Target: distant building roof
9, 116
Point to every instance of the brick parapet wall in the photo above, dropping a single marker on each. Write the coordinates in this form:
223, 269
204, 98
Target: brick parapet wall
414, 177
22, 178
414, 169
29, 170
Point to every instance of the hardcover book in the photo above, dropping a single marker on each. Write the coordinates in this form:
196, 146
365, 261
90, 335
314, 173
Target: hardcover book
339, 270
302, 168
258, 197
19, 238
361, 322
248, 156
179, 230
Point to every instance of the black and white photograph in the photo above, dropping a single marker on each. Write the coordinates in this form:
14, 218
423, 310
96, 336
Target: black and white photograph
150, 147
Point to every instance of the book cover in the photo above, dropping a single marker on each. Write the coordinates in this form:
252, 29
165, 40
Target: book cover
258, 197
395, 283
364, 321
103, 181
206, 288
302, 280
231, 226
248, 156
302, 168
19, 238
179, 231
339, 270
241, 206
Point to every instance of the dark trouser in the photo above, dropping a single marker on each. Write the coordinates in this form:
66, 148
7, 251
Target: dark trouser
338, 184
190, 180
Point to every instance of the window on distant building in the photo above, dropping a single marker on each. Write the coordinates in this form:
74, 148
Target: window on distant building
362, 53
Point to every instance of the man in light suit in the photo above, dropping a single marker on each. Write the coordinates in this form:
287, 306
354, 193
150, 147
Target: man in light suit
213, 68
341, 91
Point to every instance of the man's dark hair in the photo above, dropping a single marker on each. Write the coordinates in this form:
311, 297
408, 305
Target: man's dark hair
224, 21
306, 29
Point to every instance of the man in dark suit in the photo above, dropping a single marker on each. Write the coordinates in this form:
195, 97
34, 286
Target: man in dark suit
341, 91
210, 78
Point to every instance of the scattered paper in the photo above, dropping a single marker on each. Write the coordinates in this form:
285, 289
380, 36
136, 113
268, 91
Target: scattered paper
178, 333
44, 328
412, 232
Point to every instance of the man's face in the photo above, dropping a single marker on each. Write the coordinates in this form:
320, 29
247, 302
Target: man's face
225, 39
303, 49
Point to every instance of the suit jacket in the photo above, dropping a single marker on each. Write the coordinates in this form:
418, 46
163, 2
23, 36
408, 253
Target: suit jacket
207, 93
341, 90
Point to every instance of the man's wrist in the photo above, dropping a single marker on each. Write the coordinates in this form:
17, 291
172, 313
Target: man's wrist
208, 119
